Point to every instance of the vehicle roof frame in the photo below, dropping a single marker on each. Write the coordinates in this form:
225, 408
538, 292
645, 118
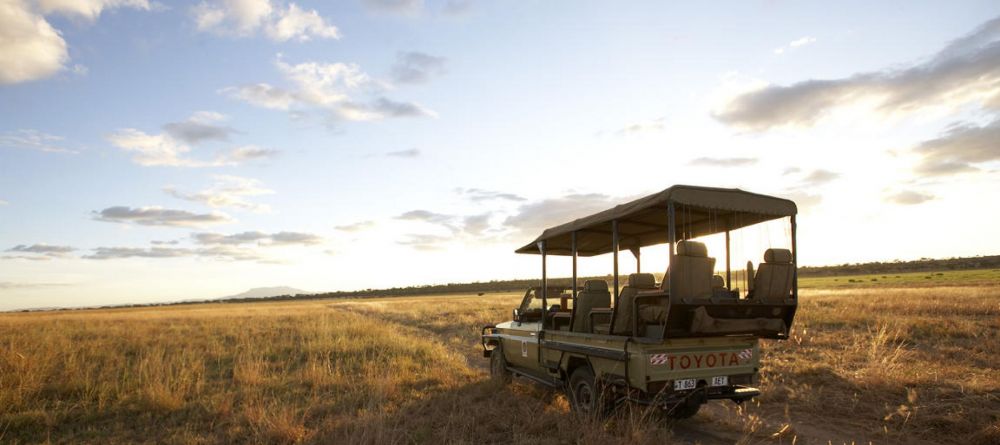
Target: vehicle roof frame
760, 208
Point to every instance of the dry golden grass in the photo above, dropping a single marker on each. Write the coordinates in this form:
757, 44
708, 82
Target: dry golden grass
864, 365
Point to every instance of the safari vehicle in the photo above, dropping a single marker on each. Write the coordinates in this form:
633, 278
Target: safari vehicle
676, 344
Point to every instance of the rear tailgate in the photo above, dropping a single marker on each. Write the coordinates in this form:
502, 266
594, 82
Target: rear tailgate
702, 359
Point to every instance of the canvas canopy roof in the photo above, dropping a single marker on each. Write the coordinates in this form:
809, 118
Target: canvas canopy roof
643, 222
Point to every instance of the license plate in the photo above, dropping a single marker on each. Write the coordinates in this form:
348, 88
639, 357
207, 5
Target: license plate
682, 384
720, 381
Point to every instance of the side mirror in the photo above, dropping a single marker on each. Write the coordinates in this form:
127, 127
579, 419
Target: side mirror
517, 314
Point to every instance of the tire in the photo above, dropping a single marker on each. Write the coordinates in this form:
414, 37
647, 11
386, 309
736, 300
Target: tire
586, 396
498, 367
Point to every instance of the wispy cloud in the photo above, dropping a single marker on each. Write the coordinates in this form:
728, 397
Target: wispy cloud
34, 140
258, 238
479, 195
342, 90
794, 44
966, 71
651, 126
723, 162
243, 18
227, 192
909, 197
402, 7
158, 216
215, 252
356, 227
960, 149
200, 127
43, 249
408, 153
416, 67
531, 218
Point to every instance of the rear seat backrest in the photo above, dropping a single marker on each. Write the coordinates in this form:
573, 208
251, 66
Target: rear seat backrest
691, 271
594, 295
773, 282
623, 315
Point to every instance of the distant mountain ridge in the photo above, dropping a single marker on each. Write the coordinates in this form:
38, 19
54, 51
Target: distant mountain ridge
266, 292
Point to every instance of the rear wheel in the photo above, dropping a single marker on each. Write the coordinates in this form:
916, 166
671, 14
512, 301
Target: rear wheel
586, 395
498, 366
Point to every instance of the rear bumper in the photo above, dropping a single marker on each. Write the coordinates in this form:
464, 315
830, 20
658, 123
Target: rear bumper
738, 394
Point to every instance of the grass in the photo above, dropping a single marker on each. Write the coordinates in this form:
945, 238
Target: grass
866, 364
980, 277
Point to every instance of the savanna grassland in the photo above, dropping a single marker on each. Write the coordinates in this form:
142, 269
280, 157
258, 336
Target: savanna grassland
865, 364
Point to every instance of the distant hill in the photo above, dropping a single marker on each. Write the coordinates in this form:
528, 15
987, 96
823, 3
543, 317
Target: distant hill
265, 292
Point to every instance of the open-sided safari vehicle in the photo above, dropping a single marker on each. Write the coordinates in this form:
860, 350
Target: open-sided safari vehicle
675, 344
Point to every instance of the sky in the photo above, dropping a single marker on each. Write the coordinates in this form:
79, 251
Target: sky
162, 151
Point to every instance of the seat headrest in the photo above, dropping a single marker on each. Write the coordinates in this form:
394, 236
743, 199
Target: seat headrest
718, 281
595, 285
780, 256
642, 281
692, 248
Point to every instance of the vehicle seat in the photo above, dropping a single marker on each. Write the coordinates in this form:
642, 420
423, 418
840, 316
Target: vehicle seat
773, 282
594, 295
623, 314
691, 271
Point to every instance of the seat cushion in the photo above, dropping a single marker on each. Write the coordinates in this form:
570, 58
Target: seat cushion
778, 256
692, 248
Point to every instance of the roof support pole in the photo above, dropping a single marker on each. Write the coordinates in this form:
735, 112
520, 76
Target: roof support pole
545, 283
638, 259
795, 262
729, 274
614, 250
671, 239
572, 316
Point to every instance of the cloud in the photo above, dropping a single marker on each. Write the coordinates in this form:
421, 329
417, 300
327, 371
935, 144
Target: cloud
6, 285
259, 238
215, 252
424, 242
171, 148
30, 48
245, 153
356, 227
909, 197
819, 177
416, 67
243, 18
200, 127
3, 203
158, 216
42, 249
534, 217
409, 153
459, 227
227, 192
723, 162
403, 7
342, 90
477, 224
33, 140
153, 149
479, 195
959, 149
427, 216
262, 95
795, 44
966, 71
654, 125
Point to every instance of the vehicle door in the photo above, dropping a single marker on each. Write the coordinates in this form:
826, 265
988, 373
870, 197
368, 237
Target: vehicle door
520, 346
